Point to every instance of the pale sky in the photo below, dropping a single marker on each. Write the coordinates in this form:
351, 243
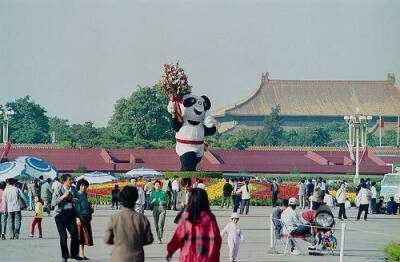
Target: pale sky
77, 57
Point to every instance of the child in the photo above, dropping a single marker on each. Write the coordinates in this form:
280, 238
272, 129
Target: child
37, 219
234, 236
347, 204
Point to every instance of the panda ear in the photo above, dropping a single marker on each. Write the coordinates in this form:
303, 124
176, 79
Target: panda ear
207, 102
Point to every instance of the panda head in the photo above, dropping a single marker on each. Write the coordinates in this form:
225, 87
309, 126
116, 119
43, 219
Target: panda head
194, 108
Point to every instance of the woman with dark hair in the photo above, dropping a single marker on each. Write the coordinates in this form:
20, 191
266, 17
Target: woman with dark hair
84, 213
197, 233
128, 230
159, 200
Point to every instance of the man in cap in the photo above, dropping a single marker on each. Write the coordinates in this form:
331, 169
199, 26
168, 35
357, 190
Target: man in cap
292, 223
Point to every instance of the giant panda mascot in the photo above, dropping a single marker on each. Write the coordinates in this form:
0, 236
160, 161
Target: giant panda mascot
189, 134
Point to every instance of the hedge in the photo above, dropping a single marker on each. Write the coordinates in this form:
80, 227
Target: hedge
193, 174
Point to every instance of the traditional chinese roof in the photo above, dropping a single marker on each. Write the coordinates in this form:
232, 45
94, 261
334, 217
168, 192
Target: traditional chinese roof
319, 98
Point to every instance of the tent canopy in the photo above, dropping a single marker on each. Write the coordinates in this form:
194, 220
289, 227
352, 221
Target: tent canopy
11, 170
97, 177
143, 172
36, 167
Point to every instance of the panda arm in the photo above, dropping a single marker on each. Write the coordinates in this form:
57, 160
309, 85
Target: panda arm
209, 131
175, 124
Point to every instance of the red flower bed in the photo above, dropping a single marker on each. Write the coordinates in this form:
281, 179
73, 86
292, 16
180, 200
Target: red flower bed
264, 191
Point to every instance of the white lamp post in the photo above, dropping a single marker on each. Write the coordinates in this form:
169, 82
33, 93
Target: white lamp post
357, 135
7, 113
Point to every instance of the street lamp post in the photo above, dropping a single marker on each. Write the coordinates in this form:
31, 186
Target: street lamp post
357, 135
7, 113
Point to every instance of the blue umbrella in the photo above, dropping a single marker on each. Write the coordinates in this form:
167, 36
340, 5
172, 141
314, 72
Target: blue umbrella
11, 170
36, 167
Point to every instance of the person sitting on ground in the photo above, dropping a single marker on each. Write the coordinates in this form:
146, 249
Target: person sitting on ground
292, 224
128, 230
276, 218
391, 207
380, 206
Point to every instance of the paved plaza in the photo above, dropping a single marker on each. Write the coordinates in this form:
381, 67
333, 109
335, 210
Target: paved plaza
359, 245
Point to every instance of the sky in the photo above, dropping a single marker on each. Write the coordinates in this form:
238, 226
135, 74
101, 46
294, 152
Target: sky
77, 57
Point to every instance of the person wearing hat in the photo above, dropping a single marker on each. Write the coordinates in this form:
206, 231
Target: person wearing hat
292, 223
235, 235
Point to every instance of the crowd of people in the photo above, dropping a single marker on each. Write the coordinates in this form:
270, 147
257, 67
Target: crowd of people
196, 235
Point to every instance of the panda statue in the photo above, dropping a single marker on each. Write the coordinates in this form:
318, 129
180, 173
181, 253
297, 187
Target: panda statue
189, 134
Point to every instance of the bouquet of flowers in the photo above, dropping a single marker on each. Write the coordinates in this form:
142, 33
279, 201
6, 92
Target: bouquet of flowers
174, 83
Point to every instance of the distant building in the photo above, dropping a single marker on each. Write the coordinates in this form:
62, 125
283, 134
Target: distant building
312, 102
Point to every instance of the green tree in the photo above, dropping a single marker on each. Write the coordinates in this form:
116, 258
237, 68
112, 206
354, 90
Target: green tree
29, 124
86, 135
272, 132
61, 128
143, 115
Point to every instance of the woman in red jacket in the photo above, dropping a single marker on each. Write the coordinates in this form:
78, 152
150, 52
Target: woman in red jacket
197, 233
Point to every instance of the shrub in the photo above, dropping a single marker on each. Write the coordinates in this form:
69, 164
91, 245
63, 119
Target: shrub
392, 251
81, 169
193, 174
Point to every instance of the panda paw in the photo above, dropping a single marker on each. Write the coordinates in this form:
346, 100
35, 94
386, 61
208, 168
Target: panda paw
210, 121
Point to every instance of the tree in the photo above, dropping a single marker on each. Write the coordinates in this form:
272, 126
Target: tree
272, 132
29, 124
142, 115
86, 135
61, 129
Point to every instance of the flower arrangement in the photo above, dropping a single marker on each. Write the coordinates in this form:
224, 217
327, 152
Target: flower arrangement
174, 82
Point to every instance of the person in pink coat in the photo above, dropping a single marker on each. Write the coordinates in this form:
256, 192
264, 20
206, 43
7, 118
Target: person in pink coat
197, 234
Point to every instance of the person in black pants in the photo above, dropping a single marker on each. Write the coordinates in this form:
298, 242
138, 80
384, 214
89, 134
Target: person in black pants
114, 197
66, 218
274, 191
341, 199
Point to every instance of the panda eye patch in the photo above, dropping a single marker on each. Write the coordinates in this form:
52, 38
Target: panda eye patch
188, 102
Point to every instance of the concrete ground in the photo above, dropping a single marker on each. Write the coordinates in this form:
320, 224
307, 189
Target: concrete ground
364, 240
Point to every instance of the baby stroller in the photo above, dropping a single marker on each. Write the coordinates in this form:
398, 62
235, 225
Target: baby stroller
322, 223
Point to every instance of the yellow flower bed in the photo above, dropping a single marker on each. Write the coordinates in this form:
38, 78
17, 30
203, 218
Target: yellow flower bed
215, 190
350, 195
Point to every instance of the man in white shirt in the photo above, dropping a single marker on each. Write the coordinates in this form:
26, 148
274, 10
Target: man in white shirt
175, 191
341, 199
292, 224
141, 201
12, 207
245, 190
328, 199
373, 198
56, 185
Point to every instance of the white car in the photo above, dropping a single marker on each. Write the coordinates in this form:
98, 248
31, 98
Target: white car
390, 186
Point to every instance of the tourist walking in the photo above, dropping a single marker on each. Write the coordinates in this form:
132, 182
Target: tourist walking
159, 200
56, 184
246, 195
274, 191
302, 194
276, 218
197, 234
3, 215
128, 230
141, 200
328, 200
65, 218
373, 197
235, 235
12, 198
183, 197
32, 192
226, 193
341, 199
362, 199
46, 194
238, 198
114, 197
309, 192
175, 191
37, 218
84, 212
148, 188
167, 188
317, 197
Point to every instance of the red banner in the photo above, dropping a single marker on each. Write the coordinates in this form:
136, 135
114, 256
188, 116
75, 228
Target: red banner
382, 122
